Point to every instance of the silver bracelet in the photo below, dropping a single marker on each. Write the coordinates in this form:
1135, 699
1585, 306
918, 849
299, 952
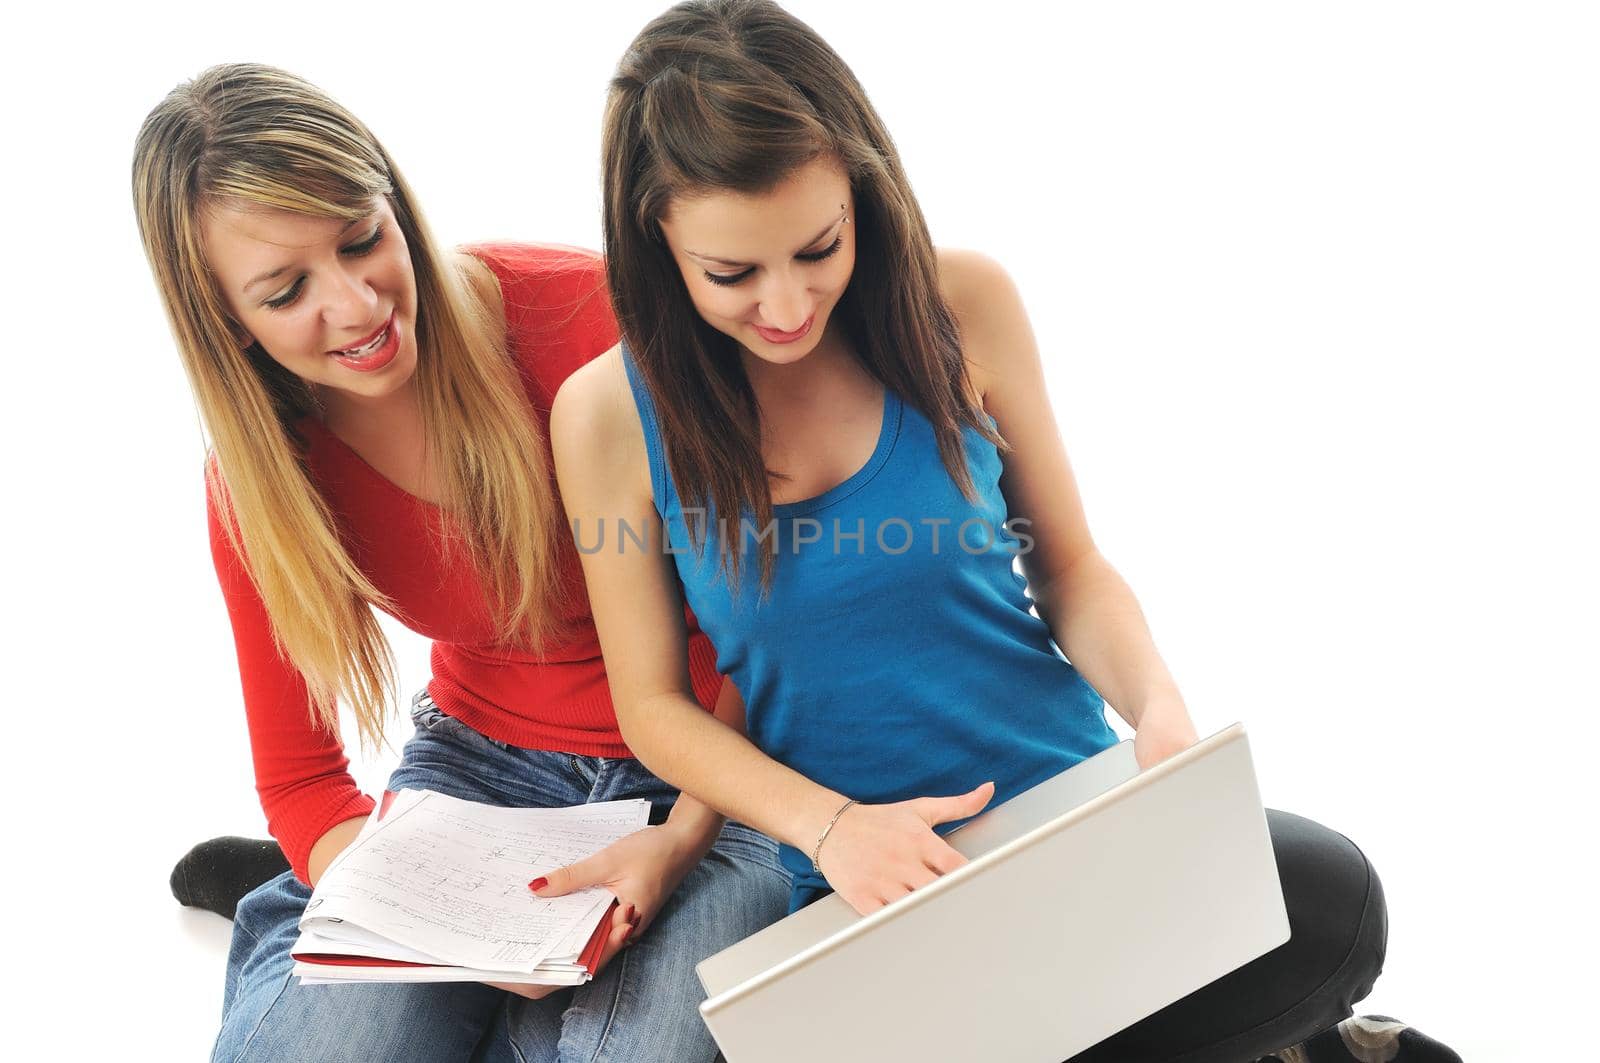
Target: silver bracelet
817, 849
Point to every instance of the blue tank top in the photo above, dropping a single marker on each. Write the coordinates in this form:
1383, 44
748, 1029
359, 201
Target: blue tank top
895, 655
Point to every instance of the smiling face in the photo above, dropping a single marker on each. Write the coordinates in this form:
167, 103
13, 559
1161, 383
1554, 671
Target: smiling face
332, 302
767, 269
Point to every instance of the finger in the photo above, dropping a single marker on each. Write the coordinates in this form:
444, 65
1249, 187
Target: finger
936, 810
944, 860
864, 904
623, 913
615, 942
639, 917
564, 880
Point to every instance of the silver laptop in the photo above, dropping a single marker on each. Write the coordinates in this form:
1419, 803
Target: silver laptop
1091, 901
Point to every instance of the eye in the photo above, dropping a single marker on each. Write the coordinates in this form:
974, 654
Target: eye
728, 279
281, 301
366, 246
827, 252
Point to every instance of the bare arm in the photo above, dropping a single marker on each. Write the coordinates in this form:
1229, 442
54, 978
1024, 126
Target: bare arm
697, 821
603, 470
1092, 613
330, 845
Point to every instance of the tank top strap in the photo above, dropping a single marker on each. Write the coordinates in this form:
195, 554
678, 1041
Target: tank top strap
660, 484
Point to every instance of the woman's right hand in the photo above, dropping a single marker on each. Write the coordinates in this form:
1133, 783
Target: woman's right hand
876, 854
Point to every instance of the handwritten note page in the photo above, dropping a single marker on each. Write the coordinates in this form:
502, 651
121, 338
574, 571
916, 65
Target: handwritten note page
449, 878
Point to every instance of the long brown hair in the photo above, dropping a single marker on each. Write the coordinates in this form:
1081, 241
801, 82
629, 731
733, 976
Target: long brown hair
252, 134
736, 95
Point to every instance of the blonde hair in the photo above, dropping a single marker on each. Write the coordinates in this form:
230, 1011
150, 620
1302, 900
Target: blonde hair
252, 134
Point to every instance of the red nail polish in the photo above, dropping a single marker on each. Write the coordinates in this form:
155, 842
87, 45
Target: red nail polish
627, 928
538, 884
628, 917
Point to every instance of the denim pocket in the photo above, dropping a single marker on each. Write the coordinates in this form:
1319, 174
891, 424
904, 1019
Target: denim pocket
431, 718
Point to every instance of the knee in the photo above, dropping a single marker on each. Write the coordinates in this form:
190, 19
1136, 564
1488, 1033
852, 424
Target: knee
292, 1027
275, 902
726, 898
1372, 936
1338, 917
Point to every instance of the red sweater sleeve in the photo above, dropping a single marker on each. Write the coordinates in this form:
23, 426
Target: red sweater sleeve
302, 774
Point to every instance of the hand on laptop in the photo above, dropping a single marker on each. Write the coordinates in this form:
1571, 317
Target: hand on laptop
876, 854
1164, 729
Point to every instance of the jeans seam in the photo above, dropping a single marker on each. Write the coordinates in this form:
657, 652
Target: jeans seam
516, 1050
1355, 941
240, 927
616, 1005
250, 1038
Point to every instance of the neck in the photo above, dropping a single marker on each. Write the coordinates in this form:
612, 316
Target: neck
359, 414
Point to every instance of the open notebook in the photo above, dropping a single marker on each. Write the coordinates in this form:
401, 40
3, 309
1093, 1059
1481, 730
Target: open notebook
435, 889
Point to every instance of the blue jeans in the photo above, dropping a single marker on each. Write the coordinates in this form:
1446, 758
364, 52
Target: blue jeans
641, 1007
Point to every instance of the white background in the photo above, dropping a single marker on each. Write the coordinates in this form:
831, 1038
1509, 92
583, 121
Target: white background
1317, 290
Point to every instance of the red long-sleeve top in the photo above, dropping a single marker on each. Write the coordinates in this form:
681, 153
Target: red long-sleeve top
557, 318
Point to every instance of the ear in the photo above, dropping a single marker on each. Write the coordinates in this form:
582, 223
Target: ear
240, 335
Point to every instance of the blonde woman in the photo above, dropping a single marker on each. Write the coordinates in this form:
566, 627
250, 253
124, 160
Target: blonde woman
378, 411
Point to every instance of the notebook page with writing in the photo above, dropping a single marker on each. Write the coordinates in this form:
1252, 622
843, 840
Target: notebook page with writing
449, 878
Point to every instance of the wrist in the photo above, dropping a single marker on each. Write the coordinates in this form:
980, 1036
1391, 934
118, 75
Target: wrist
693, 826
1158, 703
822, 838
811, 818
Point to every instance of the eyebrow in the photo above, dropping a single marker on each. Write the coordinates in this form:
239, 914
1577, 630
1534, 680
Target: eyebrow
730, 262
281, 270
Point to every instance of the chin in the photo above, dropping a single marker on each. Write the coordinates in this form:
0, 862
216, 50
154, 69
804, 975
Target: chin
776, 353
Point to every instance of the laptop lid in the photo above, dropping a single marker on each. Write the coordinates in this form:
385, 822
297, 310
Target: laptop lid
1092, 900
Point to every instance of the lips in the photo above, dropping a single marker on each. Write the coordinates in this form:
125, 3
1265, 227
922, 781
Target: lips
373, 354
772, 335
356, 349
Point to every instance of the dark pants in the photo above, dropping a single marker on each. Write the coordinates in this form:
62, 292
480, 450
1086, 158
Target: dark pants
1338, 926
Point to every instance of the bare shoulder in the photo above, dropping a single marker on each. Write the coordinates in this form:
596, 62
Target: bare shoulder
969, 278
597, 390
594, 423
995, 335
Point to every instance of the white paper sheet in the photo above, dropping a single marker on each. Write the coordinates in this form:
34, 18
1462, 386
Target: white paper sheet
449, 879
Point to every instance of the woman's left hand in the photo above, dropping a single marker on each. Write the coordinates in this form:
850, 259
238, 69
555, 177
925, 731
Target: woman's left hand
1164, 729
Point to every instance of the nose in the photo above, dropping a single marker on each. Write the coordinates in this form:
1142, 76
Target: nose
351, 300
785, 304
